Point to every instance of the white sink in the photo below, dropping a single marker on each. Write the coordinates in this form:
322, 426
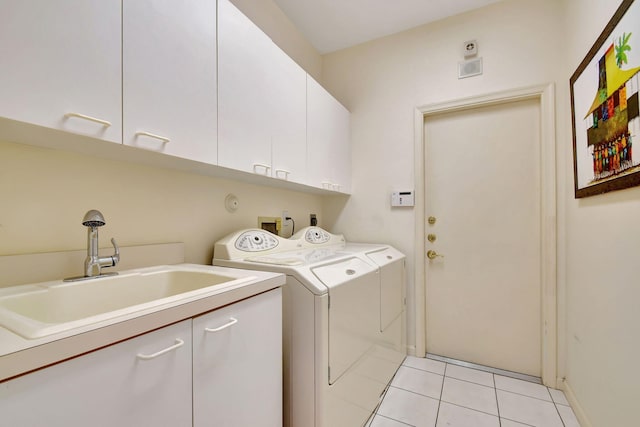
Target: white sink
59, 306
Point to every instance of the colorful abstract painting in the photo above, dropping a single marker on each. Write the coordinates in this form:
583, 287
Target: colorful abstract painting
604, 104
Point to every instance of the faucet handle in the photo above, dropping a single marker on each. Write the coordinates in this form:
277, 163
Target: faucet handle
116, 256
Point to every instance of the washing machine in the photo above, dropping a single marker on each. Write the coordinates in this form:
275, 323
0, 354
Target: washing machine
343, 320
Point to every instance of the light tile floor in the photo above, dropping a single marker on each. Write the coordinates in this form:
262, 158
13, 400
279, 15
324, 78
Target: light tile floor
430, 393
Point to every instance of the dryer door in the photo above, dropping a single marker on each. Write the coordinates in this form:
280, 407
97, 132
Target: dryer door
354, 304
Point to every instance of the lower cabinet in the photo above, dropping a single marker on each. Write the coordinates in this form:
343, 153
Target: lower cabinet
115, 386
237, 364
223, 368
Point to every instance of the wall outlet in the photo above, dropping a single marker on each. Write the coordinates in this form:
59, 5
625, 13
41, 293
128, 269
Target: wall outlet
285, 223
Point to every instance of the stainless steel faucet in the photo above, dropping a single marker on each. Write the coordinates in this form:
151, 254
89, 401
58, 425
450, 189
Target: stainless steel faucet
93, 263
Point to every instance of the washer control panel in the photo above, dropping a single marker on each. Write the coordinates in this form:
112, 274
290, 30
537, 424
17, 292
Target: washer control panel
255, 241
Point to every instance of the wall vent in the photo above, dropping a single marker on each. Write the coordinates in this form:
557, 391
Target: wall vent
469, 68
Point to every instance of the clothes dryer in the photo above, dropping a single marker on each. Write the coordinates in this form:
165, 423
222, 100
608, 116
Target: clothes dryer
338, 360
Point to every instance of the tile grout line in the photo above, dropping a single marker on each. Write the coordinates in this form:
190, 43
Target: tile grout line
444, 376
414, 392
519, 422
470, 409
471, 382
392, 419
422, 370
526, 395
555, 405
495, 393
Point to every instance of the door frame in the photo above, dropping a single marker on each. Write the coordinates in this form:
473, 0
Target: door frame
545, 94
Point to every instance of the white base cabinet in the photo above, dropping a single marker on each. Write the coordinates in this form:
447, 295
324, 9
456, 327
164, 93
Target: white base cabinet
109, 387
223, 368
239, 346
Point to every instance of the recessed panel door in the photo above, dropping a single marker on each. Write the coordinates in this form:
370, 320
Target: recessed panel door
483, 237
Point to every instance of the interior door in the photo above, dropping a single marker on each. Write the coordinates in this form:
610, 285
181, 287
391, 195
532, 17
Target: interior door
482, 171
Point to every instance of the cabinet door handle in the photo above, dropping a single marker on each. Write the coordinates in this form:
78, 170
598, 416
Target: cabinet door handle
232, 321
154, 136
179, 343
267, 168
104, 123
282, 171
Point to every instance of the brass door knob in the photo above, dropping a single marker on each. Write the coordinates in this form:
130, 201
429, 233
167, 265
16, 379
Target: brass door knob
433, 255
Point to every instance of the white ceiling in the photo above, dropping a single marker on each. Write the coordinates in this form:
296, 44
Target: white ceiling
332, 25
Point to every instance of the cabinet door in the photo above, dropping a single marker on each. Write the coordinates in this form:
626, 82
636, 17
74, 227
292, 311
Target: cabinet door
244, 55
237, 364
328, 141
289, 117
169, 77
109, 387
61, 65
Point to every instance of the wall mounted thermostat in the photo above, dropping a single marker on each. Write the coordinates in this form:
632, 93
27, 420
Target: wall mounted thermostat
402, 198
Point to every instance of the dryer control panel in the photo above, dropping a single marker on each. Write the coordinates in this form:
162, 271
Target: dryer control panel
316, 235
256, 241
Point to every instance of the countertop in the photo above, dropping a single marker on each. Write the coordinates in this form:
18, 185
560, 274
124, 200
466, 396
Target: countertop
19, 355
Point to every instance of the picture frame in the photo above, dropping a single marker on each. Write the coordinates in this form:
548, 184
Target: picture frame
604, 108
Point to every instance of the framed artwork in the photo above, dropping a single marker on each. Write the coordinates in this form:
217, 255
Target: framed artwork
604, 108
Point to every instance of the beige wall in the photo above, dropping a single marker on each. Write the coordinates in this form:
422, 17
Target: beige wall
268, 16
45, 193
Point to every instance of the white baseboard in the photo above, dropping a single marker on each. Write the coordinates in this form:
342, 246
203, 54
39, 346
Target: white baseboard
573, 401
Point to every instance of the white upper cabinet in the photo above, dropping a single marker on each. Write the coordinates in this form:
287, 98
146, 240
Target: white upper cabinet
289, 118
61, 65
169, 77
261, 101
193, 79
328, 140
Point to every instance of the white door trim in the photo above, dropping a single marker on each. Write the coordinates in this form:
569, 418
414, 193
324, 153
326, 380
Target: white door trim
545, 94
